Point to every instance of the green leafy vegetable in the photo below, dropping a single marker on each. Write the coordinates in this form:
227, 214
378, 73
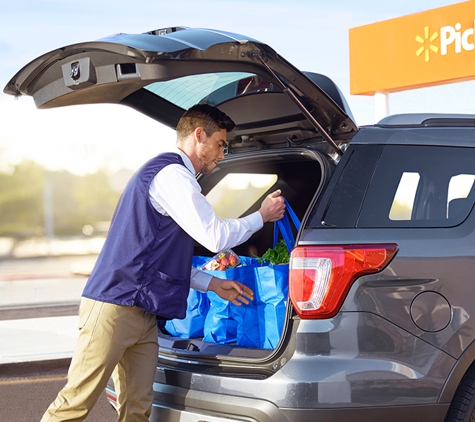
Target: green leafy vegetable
276, 255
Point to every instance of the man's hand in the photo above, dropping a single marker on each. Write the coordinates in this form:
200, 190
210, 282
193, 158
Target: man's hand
231, 290
272, 207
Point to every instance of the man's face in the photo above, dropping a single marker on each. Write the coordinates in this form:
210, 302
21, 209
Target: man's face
211, 150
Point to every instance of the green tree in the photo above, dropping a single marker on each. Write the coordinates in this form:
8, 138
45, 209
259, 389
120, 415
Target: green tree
75, 200
21, 200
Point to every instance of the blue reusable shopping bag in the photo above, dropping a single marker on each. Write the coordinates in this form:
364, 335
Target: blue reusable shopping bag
193, 323
225, 321
260, 323
192, 326
221, 323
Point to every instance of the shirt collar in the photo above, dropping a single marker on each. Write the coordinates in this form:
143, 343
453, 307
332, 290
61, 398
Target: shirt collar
185, 159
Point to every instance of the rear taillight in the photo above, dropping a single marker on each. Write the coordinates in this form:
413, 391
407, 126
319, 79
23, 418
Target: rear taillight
321, 276
112, 398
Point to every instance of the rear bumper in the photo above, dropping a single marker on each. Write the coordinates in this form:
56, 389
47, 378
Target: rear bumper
177, 404
354, 367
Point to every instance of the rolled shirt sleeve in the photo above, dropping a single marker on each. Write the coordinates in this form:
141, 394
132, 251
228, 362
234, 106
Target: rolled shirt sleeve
200, 280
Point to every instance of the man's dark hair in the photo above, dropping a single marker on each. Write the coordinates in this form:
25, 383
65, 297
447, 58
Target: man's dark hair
211, 119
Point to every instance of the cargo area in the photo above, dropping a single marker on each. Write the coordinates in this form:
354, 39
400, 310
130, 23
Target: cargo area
237, 188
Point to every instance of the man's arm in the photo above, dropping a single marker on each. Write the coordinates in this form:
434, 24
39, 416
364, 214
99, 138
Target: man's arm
176, 192
231, 290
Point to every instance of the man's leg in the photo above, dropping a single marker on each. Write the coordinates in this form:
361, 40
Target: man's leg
100, 345
135, 372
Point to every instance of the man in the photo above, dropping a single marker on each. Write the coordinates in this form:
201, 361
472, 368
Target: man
143, 271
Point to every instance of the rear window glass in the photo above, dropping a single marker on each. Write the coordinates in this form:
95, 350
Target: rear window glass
420, 187
212, 88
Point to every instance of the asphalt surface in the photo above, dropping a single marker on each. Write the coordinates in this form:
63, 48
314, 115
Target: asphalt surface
25, 398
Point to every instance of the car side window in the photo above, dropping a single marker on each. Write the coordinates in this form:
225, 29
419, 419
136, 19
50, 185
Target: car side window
341, 204
415, 186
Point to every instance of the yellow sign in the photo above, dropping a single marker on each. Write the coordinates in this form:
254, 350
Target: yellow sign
424, 49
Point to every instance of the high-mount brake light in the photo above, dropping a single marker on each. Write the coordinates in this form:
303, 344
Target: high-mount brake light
321, 276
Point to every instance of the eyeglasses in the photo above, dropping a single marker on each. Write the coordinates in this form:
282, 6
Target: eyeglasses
225, 147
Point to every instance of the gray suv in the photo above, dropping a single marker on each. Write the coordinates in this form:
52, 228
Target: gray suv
377, 325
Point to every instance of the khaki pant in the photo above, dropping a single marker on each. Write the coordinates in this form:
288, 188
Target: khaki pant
112, 339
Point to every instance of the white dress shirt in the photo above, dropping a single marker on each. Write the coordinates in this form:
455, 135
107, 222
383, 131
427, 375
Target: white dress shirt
175, 192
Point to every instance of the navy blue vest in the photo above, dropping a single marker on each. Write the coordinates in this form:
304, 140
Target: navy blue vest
146, 258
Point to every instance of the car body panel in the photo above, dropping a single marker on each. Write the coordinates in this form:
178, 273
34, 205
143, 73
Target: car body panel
391, 293
338, 365
351, 360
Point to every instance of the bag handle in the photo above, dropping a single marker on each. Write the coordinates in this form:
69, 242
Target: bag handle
284, 227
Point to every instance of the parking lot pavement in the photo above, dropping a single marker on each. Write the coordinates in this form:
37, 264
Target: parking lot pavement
28, 330
37, 339
39, 299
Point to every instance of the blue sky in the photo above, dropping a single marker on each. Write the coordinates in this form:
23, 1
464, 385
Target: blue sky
313, 35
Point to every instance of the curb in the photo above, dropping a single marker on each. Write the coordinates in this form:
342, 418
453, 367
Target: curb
38, 368
41, 310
